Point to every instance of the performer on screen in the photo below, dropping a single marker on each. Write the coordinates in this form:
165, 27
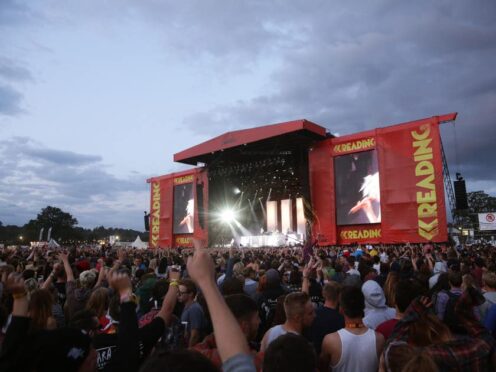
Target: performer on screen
188, 220
371, 199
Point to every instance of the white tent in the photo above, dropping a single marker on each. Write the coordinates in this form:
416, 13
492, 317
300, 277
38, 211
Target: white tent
53, 244
139, 244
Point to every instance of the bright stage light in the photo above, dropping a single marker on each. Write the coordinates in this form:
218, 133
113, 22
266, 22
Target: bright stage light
236, 191
227, 216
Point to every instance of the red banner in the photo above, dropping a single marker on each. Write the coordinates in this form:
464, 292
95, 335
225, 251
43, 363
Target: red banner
161, 212
162, 209
322, 194
408, 202
412, 188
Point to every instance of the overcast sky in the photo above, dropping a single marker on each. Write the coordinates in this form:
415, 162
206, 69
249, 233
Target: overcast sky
97, 95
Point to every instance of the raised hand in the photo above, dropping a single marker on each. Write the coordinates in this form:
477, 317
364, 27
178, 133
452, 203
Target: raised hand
174, 275
121, 283
306, 269
63, 256
200, 265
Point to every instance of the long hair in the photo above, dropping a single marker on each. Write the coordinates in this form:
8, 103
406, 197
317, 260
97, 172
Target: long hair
429, 330
390, 287
401, 357
99, 302
40, 309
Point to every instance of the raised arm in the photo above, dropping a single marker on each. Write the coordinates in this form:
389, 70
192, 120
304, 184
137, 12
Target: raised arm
229, 337
67, 266
49, 280
101, 274
305, 286
128, 332
170, 299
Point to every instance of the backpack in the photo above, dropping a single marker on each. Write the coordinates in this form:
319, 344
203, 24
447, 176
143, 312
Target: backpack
450, 318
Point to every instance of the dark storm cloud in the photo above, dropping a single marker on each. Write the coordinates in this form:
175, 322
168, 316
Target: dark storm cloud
32, 177
363, 66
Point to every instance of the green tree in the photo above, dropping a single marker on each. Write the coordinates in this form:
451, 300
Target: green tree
480, 202
62, 224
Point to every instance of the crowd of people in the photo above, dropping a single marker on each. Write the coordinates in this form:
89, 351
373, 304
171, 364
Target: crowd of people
357, 308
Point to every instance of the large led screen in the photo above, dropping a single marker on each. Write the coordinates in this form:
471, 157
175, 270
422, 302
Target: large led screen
358, 194
184, 209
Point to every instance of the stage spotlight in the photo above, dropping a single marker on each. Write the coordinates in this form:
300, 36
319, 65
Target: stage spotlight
236, 190
227, 216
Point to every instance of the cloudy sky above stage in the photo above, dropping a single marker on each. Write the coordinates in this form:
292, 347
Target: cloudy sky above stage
96, 96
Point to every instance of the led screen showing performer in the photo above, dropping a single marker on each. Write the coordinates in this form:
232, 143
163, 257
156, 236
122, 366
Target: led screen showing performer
184, 209
358, 194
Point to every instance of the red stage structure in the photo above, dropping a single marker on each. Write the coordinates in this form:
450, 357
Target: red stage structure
379, 186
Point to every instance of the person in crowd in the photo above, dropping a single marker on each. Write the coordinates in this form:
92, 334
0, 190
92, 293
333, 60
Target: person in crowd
489, 287
161, 270
192, 316
245, 311
490, 320
389, 287
300, 314
269, 290
376, 310
352, 270
250, 284
137, 323
62, 349
439, 268
129, 346
231, 342
40, 310
290, 353
420, 328
99, 302
401, 357
354, 347
406, 291
446, 299
76, 297
327, 317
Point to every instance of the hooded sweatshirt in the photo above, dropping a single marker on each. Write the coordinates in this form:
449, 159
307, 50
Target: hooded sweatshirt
439, 268
376, 311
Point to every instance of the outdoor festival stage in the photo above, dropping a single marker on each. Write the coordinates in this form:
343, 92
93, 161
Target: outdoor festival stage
278, 184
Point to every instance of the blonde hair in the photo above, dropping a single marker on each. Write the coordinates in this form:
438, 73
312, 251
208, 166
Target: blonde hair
238, 269
294, 304
489, 279
87, 278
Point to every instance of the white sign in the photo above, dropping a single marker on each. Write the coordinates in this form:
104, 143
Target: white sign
487, 221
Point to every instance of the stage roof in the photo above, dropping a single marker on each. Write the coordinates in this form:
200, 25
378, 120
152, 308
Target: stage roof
303, 131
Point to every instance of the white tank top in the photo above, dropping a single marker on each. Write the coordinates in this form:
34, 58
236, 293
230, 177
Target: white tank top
358, 352
276, 332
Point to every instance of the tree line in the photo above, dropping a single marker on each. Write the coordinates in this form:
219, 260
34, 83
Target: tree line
65, 230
